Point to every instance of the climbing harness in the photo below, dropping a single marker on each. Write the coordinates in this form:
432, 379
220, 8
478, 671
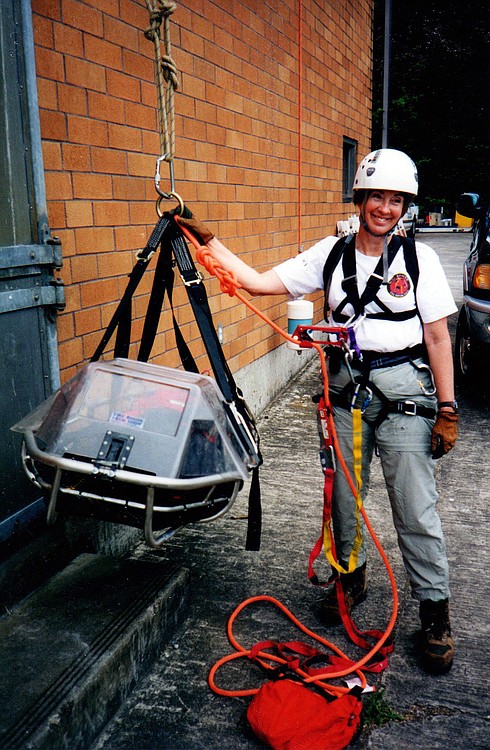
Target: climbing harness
366, 361
344, 252
360, 385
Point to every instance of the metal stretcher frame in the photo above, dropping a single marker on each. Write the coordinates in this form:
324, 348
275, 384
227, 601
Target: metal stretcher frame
150, 483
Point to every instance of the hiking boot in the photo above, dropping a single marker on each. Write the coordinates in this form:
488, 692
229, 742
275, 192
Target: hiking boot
437, 644
355, 591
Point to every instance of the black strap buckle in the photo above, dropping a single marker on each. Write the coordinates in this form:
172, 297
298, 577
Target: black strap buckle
195, 280
408, 407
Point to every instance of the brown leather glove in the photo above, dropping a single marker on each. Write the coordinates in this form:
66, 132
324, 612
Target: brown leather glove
444, 433
197, 228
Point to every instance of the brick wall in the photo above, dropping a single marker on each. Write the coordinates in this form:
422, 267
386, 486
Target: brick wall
237, 146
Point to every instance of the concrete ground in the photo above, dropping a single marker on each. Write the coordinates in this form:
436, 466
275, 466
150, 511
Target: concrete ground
173, 708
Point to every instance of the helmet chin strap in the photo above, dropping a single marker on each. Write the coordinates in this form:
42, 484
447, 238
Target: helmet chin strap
385, 260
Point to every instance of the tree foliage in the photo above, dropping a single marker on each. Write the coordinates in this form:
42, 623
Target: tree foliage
439, 92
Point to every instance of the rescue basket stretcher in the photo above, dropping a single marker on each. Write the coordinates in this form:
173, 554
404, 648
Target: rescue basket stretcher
139, 444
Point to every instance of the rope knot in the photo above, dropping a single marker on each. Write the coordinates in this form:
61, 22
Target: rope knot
227, 279
156, 18
169, 70
152, 33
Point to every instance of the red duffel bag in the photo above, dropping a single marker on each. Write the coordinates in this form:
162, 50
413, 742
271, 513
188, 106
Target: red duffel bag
289, 716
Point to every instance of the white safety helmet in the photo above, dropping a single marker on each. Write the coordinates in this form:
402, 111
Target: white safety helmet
387, 169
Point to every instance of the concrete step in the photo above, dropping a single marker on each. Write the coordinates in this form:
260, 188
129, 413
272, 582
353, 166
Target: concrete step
71, 652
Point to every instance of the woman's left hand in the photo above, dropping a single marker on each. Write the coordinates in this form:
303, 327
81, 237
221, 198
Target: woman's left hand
444, 433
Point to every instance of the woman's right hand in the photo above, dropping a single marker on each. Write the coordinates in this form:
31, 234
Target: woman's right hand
198, 229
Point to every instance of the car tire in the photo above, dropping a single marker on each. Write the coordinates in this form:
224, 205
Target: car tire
464, 359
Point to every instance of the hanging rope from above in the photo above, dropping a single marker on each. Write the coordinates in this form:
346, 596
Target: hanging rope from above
167, 82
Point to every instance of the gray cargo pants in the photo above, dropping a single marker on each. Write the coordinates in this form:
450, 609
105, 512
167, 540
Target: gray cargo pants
403, 445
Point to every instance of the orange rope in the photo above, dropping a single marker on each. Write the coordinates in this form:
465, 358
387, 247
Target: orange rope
230, 285
264, 656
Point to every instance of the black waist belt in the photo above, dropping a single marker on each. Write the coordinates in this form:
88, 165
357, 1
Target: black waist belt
411, 409
375, 360
408, 407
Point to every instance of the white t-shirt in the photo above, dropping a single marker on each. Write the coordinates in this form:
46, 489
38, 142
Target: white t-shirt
303, 274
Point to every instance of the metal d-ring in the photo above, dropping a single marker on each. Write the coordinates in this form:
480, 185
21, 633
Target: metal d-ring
167, 196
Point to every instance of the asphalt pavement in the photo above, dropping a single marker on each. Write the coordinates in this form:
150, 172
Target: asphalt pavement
173, 708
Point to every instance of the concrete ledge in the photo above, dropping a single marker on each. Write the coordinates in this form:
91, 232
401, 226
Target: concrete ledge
73, 650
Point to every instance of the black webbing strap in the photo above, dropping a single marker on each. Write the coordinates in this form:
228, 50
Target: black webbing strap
330, 265
163, 281
196, 292
373, 284
254, 527
122, 315
198, 298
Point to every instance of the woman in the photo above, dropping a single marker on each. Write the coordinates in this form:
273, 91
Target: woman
397, 298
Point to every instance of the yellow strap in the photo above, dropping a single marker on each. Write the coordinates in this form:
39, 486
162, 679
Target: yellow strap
327, 529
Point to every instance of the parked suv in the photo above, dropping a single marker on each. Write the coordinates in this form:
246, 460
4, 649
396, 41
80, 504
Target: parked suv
473, 329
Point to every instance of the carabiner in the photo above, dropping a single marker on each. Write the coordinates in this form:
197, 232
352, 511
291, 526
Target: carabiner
425, 391
348, 357
158, 177
367, 400
355, 321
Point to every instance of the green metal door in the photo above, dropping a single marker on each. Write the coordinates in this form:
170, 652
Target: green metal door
29, 257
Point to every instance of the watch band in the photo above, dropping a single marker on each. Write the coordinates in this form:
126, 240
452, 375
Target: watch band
452, 404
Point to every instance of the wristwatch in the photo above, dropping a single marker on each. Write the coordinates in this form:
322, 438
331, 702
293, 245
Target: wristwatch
452, 404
